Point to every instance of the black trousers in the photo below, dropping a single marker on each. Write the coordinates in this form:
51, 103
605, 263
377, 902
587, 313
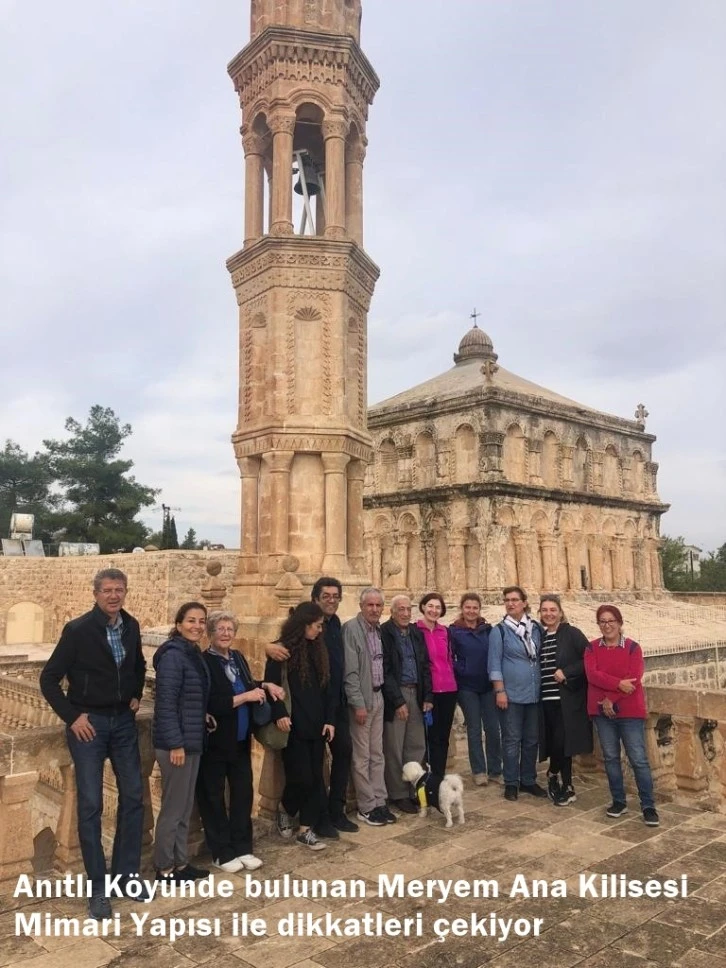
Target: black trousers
555, 741
228, 832
439, 732
341, 751
304, 791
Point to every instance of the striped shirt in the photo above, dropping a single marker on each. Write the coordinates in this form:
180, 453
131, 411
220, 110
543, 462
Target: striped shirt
550, 689
113, 634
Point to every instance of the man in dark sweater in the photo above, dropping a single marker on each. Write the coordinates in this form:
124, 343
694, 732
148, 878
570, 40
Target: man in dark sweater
100, 655
407, 696
327, 593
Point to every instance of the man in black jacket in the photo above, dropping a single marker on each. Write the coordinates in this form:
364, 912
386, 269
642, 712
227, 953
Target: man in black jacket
407, 695
100, 655
327, 593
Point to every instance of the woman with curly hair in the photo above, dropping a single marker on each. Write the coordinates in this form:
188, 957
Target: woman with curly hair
309, 723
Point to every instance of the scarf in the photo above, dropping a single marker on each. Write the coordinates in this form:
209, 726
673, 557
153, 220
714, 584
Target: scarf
523, 629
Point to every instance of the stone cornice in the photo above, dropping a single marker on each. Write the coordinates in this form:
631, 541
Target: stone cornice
279, 46
301, 440
495, 396
304, 262
506, 489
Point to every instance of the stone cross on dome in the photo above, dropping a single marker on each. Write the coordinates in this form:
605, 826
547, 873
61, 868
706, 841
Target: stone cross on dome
641, 414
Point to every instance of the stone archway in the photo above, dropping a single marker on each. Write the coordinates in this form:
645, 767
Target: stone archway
24, 624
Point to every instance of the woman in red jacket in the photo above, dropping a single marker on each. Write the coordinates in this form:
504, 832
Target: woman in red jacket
616, 702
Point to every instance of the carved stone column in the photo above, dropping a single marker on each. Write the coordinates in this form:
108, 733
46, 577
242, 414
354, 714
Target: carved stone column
278, 464
334, 132
627, 465
572, 552
336, 512
354, 158
356, 549
690, 765
429, 550
282, 126
620, 581
656, 565
548, 544
457, 562
594, 545
535, 462
491, 444
597, 464
254, 146
523, 547
249, 470
68, 849
405, 466
566, 457
16, 825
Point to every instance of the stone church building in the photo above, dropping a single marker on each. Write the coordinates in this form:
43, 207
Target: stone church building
481, 479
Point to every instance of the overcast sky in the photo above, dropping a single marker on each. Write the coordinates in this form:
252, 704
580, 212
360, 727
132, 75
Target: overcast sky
558, 164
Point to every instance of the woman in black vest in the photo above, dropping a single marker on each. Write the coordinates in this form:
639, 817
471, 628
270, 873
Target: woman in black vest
565, 727
227, 759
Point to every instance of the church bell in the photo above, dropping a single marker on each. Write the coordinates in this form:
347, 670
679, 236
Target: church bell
309, 173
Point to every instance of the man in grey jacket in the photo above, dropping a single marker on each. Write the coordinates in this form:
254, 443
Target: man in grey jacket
363, 655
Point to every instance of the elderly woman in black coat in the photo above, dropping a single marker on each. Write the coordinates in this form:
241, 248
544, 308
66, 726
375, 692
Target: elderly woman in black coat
226, 762
178, 733
565, 727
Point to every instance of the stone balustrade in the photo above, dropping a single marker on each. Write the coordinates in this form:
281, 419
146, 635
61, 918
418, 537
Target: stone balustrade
686, 735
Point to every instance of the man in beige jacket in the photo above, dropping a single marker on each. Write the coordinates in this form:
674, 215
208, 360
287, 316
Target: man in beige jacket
363, 656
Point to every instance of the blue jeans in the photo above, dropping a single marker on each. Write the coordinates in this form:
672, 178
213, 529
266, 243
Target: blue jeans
116, 739
520, 742
632, 734
479, 711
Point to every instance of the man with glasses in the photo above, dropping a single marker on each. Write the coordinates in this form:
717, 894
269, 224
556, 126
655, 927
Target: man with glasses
514, 669
327, 593
100, 656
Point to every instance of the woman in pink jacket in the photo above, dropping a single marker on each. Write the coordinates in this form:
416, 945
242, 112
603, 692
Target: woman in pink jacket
436, 636
616, 703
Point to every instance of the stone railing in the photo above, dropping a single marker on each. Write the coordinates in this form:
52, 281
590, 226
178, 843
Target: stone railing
686, 740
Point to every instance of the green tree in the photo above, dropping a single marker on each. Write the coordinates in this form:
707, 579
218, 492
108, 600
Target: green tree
173, 536
713, 571
190, 540
25, 486
100, 500
675, 571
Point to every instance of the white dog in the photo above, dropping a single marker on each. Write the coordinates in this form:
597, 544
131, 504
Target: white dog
442, 792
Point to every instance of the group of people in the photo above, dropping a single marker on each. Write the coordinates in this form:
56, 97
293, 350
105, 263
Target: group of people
377, 694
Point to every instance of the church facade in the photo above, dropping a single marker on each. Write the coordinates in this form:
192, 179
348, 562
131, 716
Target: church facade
482, 479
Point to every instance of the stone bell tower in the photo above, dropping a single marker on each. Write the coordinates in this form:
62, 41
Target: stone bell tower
303, 284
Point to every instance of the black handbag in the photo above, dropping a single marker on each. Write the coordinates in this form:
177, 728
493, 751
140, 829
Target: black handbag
268, 734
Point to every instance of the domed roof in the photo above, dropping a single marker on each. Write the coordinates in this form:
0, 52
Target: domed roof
475, 345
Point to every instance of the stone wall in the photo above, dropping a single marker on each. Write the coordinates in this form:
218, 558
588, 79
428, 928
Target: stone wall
701, 598
700, 668
61, 588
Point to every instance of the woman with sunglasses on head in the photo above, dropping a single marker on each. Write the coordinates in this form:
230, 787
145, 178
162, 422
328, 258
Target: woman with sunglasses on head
565, 728
614, 668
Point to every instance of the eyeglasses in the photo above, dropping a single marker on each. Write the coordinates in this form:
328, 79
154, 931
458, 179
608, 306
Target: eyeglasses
330, 598
609, 621
512, 601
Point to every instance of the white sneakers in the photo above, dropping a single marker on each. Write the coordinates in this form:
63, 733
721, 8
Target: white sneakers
229, 866
245, 862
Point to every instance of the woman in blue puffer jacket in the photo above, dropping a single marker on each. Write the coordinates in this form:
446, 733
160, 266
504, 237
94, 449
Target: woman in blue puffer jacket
469, 635
178, 732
